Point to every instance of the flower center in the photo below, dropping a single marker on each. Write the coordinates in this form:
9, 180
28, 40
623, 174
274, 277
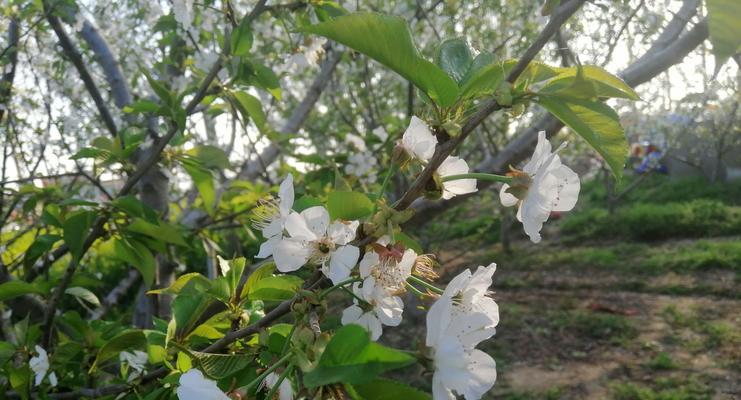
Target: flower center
266, 212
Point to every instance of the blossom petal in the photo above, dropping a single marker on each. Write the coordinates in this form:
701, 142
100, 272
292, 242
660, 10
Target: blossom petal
291, 254
482, 371
286, 195
568, 188
351, 314
389, 310
342, 233
455, 166
438, 319
370, 260
541, 153
267, 247
439, 391
297, 228
341, 263
506, 198
193, 386
317, 220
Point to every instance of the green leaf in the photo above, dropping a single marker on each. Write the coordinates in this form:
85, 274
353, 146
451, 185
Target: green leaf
724, 25
76, 227
235, 273
597, 123
9, 290
84, 294
387, 40
275, 288
7, 351
160, 90
241, 40
162, 231
351, 357
187, 309
251, 107
263, 271
571, 82
132, 252
348, 205
454, 57
386, 389
204, 181
485, 80
210, 156
265, 78
125, 341
198, 279
219, 366
142, 106
41, 245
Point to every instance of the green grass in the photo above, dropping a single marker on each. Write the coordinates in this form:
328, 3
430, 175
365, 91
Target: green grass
700, 255
663, 361
664, 389
597, 326
661, 189
649, 221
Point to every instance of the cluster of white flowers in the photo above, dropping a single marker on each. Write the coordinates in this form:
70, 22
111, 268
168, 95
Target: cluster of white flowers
460, 319
384, 272
40, 366
296, 239
419, 143
544, 185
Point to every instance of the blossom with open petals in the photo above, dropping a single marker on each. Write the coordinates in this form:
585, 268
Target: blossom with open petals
467, 372
271, 217
312, 239
544, 185
460, 319
194, 386
380, 308
40, 366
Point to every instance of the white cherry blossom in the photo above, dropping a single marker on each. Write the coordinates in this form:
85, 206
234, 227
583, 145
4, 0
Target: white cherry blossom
40, 366
418, 140
271, 217
459, 320
390, 270
467, 372
312, 239
544, 185
455, 166
381, 308
194, 386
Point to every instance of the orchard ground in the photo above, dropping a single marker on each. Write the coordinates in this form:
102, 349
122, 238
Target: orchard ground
636, 316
